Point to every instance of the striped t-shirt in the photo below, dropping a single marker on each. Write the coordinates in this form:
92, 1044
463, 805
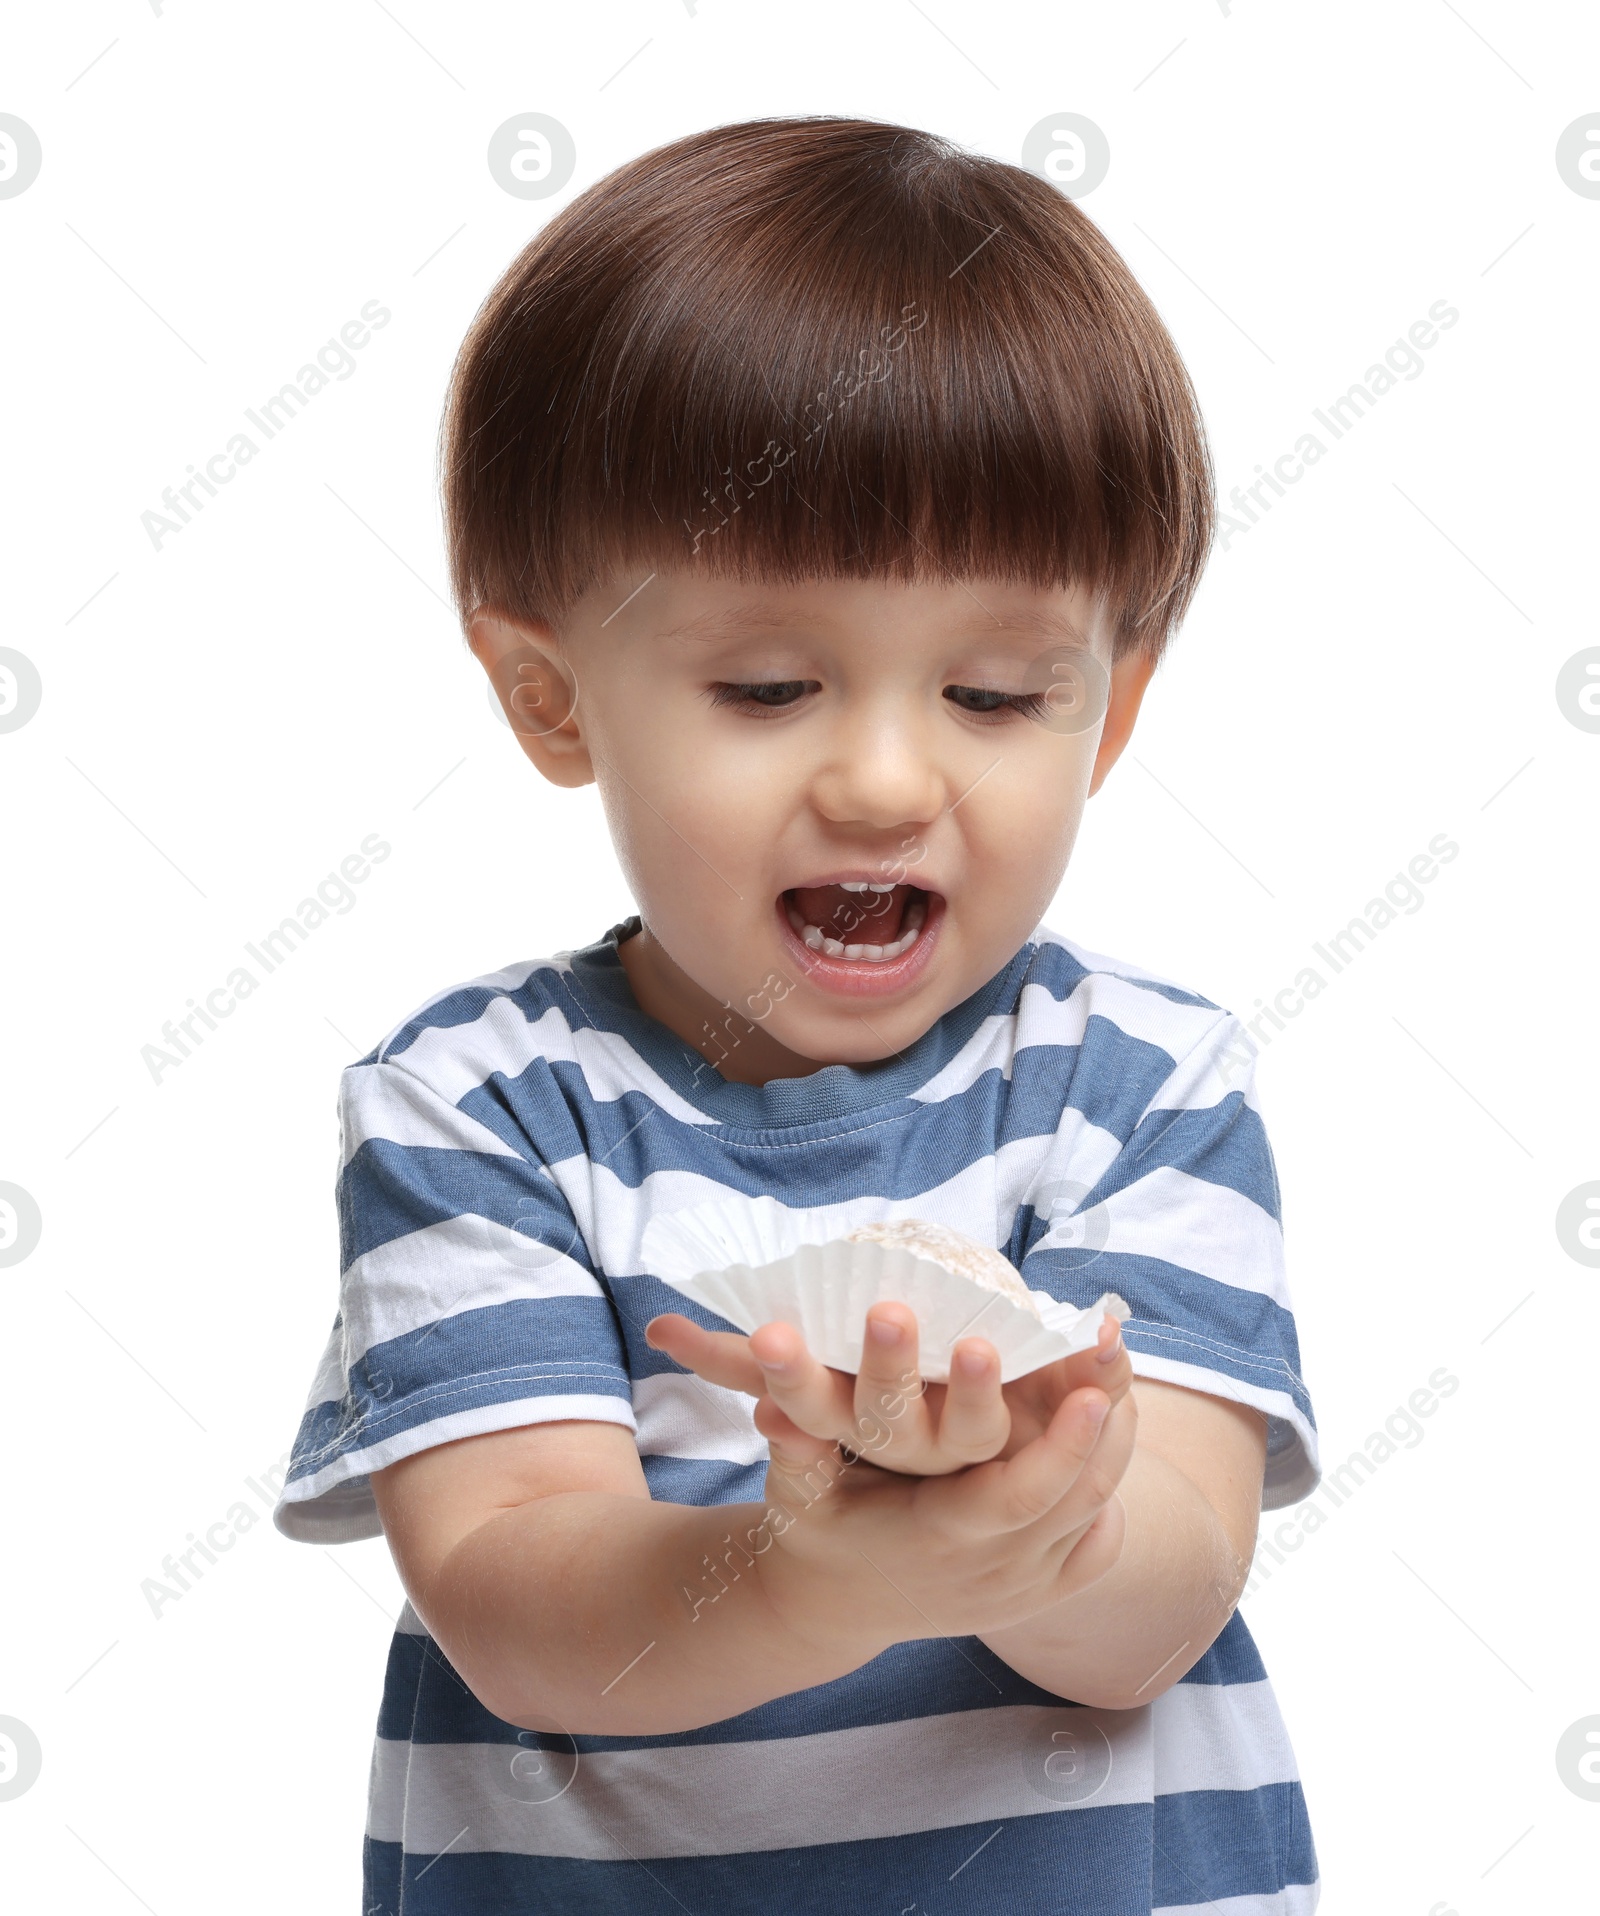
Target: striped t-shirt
504, 1150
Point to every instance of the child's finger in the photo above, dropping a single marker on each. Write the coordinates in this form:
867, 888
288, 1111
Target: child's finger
1106, 1367
1112, 1363
975, 1420
816, 1398
1089, 1552
783, 1433
795, 1453
720, 1357
890, 1399
1101, 1472
1034, 1483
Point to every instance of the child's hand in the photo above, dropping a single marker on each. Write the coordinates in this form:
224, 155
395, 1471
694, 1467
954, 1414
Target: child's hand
971, 1551
887, 1413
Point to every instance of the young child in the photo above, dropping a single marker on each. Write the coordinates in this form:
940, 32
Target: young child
825, 495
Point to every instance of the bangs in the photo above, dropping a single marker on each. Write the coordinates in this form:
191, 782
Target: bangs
793, 349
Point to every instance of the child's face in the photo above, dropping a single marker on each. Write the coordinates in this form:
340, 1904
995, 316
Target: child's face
796, 773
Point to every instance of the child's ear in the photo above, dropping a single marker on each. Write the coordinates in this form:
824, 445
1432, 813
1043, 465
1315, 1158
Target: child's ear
1129, 676
537, 691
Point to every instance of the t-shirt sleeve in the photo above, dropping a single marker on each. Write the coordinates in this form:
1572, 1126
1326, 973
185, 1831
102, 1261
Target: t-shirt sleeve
467, 1301
1184, 1222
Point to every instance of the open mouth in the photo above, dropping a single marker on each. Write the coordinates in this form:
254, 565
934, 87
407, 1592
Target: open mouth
858, 922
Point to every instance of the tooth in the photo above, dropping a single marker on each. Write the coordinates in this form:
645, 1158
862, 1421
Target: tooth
871, 887
873, 951
812, 936
833, 948
854, 884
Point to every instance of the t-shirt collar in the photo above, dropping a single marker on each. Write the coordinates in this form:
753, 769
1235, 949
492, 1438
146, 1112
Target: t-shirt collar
830, 1092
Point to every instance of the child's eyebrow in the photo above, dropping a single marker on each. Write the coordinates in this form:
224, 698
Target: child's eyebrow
1036, 624
721, 625
709, 626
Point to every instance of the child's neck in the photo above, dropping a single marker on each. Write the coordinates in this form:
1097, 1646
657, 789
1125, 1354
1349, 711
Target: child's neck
741, 1051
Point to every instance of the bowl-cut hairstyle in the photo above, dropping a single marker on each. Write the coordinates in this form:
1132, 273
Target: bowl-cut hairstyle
823, 347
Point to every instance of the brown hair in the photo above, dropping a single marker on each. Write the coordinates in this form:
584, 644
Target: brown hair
823, 347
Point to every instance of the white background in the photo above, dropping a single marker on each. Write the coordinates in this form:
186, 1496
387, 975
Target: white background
223, 720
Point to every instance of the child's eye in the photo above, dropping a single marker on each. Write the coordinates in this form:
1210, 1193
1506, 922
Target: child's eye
979, 700
770, 695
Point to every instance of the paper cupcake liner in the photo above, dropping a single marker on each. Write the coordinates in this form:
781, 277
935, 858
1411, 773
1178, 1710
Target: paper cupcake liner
794, 1268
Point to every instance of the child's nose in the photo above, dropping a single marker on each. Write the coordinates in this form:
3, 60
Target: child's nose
879, 771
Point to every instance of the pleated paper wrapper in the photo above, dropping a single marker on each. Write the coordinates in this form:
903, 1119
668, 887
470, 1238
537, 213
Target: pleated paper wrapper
755, 1263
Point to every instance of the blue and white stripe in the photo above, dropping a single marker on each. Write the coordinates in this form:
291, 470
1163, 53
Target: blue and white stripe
503, 1152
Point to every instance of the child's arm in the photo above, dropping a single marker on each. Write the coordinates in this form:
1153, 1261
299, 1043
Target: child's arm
542, 1567
1191, 1497
563, 1594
